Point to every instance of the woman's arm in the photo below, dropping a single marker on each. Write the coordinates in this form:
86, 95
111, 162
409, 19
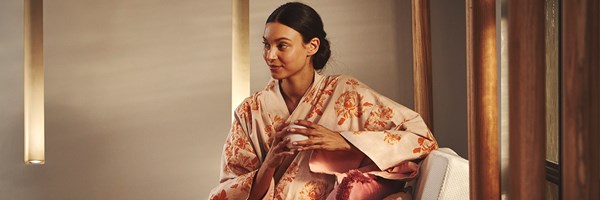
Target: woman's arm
239, 165
273, 160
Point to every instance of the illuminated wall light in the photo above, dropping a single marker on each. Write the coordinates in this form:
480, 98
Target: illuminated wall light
240, 58
34, 82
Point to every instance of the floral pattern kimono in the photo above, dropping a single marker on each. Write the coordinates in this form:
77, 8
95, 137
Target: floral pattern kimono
388, 138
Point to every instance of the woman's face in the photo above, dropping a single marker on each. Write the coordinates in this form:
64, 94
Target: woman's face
285, 52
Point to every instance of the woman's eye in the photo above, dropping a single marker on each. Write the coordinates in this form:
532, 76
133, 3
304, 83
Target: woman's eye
282, 46
266, 45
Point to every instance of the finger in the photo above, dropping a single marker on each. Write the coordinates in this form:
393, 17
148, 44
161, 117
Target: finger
307, 124
312, 147
281, 126
279, 135
285, 153
281, 145
308, 142
307, 132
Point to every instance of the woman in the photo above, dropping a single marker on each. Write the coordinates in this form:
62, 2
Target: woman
357, 138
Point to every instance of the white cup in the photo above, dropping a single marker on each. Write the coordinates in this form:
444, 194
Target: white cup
295, 137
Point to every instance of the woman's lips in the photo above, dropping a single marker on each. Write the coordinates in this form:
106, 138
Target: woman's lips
274, 68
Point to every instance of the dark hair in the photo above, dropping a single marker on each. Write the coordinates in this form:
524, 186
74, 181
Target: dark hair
308, 23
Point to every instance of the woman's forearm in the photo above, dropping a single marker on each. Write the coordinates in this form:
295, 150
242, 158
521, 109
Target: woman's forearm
262, 182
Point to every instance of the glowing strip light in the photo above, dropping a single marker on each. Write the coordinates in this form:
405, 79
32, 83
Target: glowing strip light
34, 82
240, 58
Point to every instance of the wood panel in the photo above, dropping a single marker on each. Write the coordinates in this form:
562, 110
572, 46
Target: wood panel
482, 100
422, 60
527, 119
581, 97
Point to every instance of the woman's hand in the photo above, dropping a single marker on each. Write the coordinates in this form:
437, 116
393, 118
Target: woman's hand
275, 157
319, 138
278, 151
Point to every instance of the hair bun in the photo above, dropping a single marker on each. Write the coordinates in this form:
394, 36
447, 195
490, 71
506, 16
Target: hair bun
308, 23
322, 56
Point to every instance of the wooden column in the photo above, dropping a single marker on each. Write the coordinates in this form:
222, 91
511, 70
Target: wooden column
422, 60
580, 100
482, 100
527, 109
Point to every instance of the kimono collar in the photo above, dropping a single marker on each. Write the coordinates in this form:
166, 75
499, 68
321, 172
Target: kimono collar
296, 114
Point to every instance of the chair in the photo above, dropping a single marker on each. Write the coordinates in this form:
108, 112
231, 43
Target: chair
443, 175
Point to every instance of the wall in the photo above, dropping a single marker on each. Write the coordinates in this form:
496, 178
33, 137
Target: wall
448, 43
138, 91
137, 99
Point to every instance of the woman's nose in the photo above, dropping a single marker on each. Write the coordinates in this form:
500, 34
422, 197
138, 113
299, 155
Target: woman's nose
270, 55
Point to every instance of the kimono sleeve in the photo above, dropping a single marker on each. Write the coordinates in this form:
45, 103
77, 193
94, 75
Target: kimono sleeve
391, 133
239, 165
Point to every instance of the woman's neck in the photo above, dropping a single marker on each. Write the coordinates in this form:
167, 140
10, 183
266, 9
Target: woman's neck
294, 87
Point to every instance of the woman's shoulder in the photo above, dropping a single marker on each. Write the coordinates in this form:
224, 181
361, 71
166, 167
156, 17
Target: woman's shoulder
249, 103
346, 82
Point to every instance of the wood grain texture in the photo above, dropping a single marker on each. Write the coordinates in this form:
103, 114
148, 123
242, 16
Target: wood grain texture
422, 60
527, 110
581, 97
482, 100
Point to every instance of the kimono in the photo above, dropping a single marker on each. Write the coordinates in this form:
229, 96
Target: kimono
389, 140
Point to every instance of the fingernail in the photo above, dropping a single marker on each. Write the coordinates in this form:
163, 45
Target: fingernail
292, 129
295, 143
297, 121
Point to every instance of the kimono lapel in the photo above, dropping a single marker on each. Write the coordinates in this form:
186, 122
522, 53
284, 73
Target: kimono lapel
273, 111
302, 109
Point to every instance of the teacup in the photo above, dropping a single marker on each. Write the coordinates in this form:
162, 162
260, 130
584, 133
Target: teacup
295, 137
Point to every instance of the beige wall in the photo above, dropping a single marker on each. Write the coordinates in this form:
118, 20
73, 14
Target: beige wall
448, 43
138, 91
137, 99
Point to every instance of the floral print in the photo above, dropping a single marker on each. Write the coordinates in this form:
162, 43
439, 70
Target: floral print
275, 121
425, 145
313, 190
391, 138
379, 119
317, 101
288, 177
238, 152
339, 103
220, 196
347, 106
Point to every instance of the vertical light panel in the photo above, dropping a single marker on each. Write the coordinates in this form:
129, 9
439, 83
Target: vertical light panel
240, 58
34, 81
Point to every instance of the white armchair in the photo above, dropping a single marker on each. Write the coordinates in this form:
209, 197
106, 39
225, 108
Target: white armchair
444, 175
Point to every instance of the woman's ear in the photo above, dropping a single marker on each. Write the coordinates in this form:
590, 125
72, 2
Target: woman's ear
313, 46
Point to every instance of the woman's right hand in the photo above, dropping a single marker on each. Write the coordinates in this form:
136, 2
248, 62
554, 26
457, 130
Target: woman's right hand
275, 157
279, 150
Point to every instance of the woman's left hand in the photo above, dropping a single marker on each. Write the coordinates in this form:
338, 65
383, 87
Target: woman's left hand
319, 138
